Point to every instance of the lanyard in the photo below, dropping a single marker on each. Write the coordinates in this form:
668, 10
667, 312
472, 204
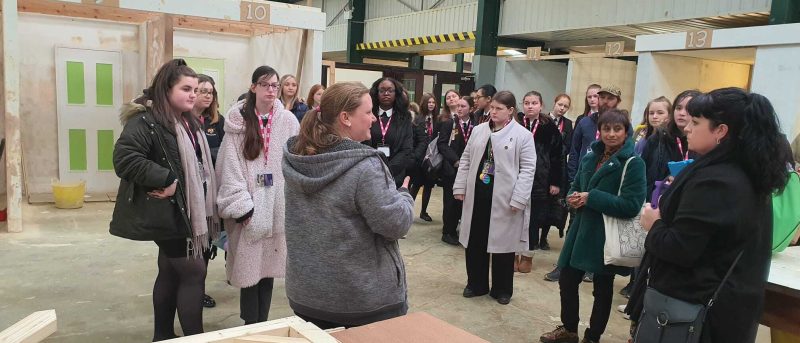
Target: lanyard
429, 124
535, 126
384, 129
266, 132
190, 133
680, 147
461, 128
597, 135
561, 126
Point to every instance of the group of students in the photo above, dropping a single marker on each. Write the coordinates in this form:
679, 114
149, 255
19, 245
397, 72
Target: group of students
321, 197
187, 172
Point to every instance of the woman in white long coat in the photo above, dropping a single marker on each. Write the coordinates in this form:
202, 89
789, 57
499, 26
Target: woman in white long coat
251, 192
494, 179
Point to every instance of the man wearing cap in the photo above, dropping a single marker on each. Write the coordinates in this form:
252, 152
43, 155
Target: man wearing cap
586, 131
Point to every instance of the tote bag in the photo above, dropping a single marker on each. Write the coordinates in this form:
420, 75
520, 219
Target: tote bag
624, 237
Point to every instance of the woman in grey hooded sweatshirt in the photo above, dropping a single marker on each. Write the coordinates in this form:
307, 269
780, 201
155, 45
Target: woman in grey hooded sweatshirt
344, 216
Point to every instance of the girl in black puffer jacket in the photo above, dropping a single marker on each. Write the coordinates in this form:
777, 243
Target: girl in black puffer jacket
548, 175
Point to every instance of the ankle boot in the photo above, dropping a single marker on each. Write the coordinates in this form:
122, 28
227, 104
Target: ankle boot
525, 264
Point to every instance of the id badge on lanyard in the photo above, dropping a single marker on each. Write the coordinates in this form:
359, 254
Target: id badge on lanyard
384, 130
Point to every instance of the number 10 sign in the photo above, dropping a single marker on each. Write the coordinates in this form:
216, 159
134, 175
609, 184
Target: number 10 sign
254, 12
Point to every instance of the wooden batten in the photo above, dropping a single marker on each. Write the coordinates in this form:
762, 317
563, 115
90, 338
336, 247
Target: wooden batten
33, 328
77, 10
158, 36
224, 26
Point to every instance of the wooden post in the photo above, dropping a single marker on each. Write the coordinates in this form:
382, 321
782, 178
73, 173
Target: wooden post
302, 56
157, 40
13, 153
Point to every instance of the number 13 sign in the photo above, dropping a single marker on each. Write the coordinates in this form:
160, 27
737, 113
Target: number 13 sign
699, 39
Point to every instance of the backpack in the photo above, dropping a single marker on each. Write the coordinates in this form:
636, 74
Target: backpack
785, 213
432, 163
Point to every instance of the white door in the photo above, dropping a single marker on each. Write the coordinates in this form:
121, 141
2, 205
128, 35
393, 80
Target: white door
89, 93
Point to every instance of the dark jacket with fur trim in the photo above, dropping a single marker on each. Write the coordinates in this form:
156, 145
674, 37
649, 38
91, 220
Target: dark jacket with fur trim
146, 158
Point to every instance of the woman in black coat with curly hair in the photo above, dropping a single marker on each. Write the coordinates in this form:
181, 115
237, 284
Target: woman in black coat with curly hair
719, 208
392, 133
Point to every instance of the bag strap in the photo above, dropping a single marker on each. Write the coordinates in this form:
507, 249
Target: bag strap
728, 274
624, 171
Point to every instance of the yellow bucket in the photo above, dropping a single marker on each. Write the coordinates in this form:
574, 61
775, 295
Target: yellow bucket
69, 195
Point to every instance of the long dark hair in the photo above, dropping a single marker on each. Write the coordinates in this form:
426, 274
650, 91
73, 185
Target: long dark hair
423, 109
586, 109
212, 112
754, 131
445, 113
252, 136
157, 95
400, 107
673, 130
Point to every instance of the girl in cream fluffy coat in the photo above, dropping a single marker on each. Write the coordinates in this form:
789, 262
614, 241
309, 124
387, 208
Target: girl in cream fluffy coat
251, 192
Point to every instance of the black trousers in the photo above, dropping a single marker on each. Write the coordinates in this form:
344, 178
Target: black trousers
603, 293
255, 301
451, 211
538, 227
502, 265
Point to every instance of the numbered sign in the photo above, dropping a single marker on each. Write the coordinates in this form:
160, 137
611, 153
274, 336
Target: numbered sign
699, 39
254, 12
534, 53
615, 49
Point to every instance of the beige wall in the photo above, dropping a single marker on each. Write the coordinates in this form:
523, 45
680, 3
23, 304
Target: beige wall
603, 71
42, 34
669, 75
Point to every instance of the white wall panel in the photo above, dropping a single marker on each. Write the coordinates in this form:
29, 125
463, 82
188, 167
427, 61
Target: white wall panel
335, 38
387, 8
528, 16
452, 19
520, 77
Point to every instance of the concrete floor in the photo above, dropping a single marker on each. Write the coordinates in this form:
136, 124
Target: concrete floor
101, 285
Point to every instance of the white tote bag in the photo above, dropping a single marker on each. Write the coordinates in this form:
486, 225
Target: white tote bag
624, 237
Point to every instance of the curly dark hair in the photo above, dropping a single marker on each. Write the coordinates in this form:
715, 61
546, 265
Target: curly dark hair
400, 107
754, 130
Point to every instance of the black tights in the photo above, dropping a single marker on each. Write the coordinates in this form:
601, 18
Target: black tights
180, 286
255, 301
426, 194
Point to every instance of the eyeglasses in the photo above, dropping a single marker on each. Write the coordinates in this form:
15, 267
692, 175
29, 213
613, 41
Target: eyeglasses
205, 91
274, 86
386, 91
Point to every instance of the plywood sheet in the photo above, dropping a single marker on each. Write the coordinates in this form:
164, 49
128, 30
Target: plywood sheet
412, 328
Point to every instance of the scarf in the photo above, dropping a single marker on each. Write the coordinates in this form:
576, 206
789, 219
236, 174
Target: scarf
200, 204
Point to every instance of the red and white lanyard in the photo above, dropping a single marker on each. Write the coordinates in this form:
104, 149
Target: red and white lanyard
190, 133
384, 129
266, 132
429, 124
597, 135
465, 135
535, 126
680, 147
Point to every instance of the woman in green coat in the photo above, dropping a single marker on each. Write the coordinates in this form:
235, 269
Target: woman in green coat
593, 194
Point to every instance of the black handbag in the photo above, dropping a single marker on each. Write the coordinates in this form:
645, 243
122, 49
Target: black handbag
665, 319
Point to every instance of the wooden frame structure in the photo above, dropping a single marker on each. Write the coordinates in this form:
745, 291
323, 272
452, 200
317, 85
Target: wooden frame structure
157, 21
